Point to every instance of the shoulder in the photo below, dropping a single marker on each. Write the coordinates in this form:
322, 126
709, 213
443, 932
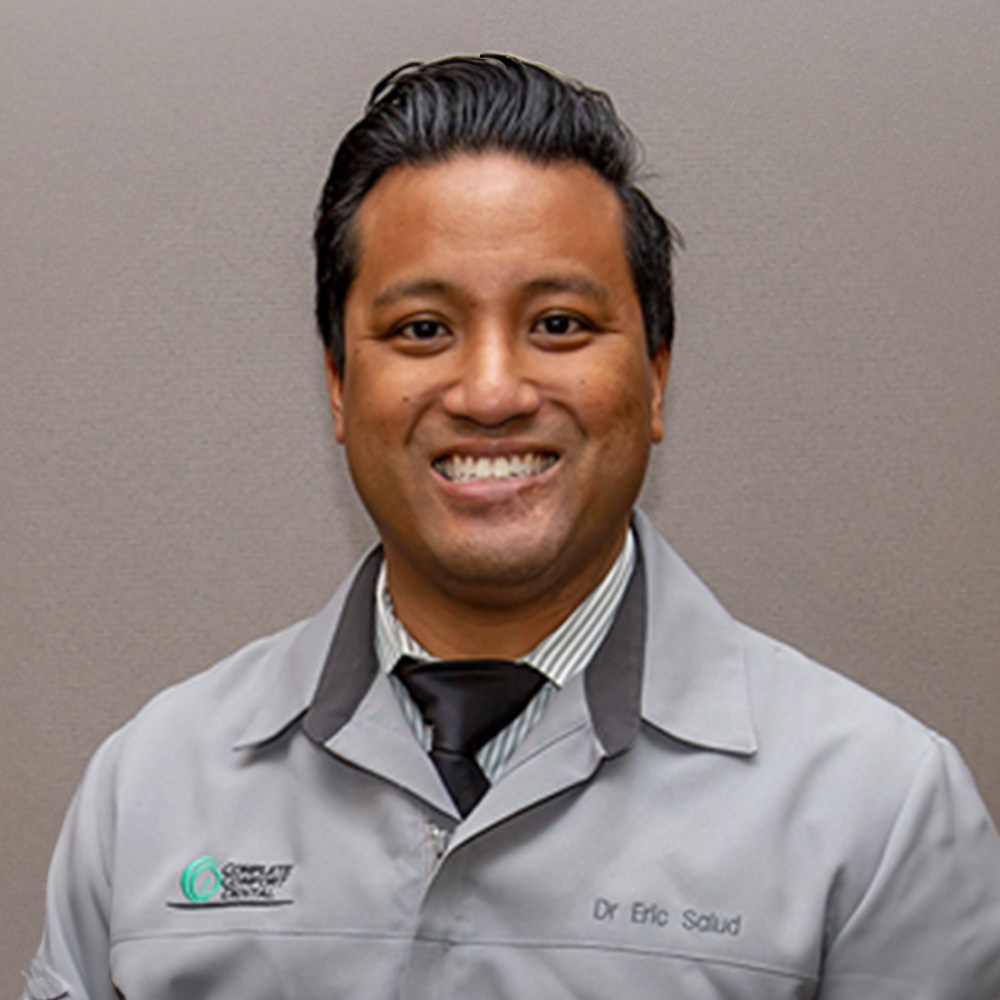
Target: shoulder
197, 726
736, 688
806, 707
807, 742
204, 714
220, 694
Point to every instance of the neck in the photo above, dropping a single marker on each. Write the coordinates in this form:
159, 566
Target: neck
470, 622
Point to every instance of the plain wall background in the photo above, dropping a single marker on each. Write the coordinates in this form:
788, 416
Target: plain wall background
170, 488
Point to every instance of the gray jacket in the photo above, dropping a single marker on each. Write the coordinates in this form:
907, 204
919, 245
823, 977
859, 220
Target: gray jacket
704, 813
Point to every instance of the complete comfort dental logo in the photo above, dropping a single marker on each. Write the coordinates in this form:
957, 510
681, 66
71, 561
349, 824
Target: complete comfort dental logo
204, 884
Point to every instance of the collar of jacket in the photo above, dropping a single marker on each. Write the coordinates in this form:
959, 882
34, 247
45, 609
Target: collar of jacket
693, 685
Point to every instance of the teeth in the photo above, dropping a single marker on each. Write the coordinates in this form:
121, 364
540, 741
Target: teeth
465, 469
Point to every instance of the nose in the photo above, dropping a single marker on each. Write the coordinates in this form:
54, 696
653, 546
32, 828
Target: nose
494, 384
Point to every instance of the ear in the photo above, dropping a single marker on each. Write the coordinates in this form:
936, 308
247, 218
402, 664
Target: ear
660, 369
335, 387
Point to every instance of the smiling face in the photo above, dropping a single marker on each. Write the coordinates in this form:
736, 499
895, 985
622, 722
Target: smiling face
498, 402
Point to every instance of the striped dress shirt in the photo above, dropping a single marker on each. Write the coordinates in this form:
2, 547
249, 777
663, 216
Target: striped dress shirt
559, 656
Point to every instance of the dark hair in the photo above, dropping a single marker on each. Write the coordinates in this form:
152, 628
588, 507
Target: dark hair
423, 113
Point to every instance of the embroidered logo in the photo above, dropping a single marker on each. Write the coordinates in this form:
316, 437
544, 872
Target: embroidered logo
205, 884
201, 880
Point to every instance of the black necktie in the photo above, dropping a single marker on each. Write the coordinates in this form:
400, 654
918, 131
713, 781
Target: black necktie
466, 703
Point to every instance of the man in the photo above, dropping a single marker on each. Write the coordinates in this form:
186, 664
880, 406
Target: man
608, 787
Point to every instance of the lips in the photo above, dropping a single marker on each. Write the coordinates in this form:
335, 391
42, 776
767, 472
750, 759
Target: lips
495, 468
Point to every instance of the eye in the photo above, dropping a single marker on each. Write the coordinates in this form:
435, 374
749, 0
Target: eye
562, 330
421, 331
559, 324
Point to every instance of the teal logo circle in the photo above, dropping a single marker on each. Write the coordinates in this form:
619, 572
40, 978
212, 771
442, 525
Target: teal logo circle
201, 879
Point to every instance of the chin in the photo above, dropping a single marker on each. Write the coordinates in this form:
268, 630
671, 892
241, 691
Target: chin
509, 562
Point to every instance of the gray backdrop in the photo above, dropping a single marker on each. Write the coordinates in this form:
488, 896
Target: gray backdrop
170, 489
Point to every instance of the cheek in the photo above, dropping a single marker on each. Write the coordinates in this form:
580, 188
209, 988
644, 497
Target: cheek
617, 403
380, 418
372, 399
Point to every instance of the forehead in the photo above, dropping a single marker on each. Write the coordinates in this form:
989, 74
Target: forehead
491, 214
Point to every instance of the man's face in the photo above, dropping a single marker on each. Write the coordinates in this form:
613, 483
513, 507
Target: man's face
498, 402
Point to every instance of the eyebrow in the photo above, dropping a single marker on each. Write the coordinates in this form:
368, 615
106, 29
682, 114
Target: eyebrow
408, 289
576, 284
569, 283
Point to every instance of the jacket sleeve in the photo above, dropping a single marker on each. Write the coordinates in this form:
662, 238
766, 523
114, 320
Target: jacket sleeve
73, 959
928, 925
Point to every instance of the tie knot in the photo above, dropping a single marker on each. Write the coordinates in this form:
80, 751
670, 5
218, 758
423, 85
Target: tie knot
468, 702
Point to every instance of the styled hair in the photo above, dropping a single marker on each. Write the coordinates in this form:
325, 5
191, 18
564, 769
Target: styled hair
425, 113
